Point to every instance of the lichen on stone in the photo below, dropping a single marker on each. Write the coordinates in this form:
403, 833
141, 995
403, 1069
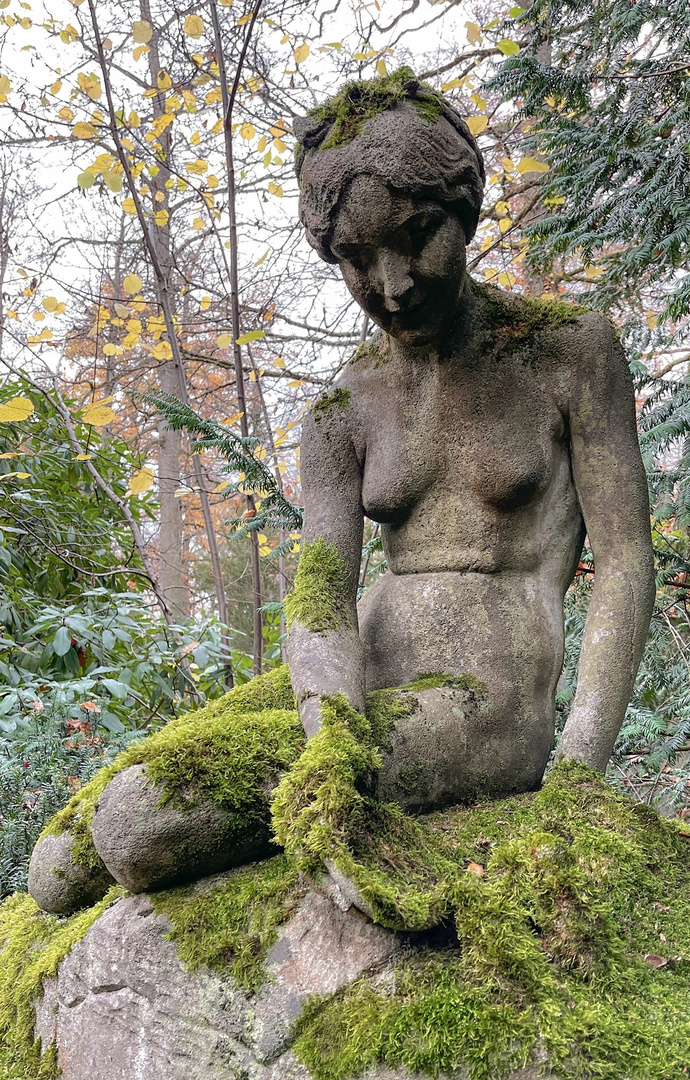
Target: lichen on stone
339, 398
319, 600
362, 100
32, 946
556, 899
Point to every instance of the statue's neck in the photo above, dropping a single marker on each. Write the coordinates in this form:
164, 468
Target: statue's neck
458, 332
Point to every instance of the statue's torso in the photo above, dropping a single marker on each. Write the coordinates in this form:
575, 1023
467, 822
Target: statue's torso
467, 468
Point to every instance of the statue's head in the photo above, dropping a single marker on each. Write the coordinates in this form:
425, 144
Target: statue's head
391, 183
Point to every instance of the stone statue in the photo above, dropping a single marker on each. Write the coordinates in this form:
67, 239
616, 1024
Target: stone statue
486, 433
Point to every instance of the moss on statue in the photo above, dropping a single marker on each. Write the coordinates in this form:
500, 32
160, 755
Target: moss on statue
364, 99
339, 398
512, 320
32, 946
228, 751
231, 926
556, 898
319, 600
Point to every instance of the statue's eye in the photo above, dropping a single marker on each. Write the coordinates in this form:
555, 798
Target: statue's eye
416, 232
358, 255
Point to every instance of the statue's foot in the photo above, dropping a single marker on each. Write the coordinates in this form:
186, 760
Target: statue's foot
148, 843
58, 882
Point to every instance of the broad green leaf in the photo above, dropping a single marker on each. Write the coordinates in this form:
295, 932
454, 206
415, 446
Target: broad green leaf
62, 642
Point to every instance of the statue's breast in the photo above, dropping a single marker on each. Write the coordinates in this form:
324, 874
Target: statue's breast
482, 445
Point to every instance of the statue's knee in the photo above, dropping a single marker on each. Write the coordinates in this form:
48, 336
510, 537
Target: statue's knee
147, 842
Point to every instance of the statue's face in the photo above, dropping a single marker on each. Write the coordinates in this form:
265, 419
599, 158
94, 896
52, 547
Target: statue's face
402, 259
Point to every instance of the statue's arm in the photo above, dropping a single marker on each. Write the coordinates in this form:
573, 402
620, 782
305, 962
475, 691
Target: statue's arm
612, 489
324, 648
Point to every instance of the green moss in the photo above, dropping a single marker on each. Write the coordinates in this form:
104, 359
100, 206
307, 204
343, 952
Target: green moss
339, 398
230, 752
578, 885
232, 925
360, 101
512, 320
32, 945
319, 599
377, 349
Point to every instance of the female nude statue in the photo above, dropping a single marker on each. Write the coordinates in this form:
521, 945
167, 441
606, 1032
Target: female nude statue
486, 434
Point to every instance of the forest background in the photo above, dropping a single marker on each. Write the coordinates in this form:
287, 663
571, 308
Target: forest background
164, 326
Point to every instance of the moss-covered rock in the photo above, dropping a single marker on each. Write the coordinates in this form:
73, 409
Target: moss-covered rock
564, 937
230, 753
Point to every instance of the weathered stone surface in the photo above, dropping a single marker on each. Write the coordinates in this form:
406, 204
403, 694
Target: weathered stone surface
57, 883
123, 1006
146, 846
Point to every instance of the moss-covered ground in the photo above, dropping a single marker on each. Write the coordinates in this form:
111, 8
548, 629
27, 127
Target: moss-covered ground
566, 912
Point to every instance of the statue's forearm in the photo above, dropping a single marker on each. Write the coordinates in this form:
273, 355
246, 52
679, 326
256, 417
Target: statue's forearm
325, 663
612, 646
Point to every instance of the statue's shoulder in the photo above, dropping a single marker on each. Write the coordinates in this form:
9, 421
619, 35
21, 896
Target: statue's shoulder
515, 321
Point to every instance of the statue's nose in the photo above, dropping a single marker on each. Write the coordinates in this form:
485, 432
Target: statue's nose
394, 273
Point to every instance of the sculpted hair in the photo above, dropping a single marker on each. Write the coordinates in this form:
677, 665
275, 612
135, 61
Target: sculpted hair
395, 128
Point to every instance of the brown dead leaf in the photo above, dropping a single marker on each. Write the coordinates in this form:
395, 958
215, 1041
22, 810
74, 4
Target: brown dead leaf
475, 868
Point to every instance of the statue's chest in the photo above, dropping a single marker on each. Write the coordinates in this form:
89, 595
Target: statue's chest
492, 440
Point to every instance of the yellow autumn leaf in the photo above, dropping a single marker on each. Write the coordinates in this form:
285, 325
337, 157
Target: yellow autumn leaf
506, 280
161, 217
531, 165
594, 271
381, 68
651, 319
508, 47
82, 457
478, 100
66, 113
474, 34
504, 224
196, 168
109, 349
141, 481
132, 284
121, 310
134, 119
19, 408
142, 31
275, 189
83, 130
193, 26
50, 303
189, 101
263, 257
205, 303
5, 87
279, 362
162, 350
98, 415
163, 81
129, 206
301, 53
139, 51
198, 223
229, 420
223, 340
247, 131
477, 123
